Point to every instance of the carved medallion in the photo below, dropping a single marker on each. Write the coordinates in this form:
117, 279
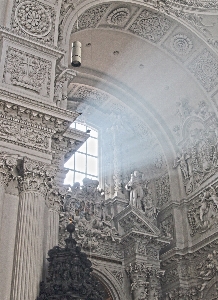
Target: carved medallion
181, 44
118, 16
33, 19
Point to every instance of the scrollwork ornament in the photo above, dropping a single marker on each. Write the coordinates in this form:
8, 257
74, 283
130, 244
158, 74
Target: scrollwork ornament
33, 19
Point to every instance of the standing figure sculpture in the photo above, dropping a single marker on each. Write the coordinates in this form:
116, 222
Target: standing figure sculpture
134, 186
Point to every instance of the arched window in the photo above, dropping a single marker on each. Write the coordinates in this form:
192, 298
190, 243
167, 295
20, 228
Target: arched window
84, 163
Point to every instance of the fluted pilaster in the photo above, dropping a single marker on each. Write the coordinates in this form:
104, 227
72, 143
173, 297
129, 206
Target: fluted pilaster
28, 257
28, 250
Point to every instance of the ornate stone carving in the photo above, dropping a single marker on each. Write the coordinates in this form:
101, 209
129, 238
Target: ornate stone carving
205, 69
118, 16
202, 214
140, 195
8, 164
25, 127
66, 8
134, 222
208, 269
95, 97
181, 44
33, 18
162, 186
118, 275
55, 197
183, 293
94, 230
151, 26
198, 153
166, 227
91, 17
27, 70
60, 90
144, 280
34, 176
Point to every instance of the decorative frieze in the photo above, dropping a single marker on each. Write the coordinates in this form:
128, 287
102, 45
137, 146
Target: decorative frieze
29, 71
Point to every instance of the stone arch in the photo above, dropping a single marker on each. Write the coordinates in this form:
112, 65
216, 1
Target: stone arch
109, 281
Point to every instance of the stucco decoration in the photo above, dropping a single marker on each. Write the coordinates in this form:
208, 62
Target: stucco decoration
181, 44
34, 19
205, 69
91, 17
118, 16
197, 135
95, 97
28, 71
202, 213
93, 227
162, 186
151, 26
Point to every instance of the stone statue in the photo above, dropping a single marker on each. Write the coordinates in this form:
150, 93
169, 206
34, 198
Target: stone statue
134, 186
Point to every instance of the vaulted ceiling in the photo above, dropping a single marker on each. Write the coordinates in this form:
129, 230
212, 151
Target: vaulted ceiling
148, 65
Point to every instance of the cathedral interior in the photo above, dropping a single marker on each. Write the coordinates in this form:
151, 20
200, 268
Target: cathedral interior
147, 86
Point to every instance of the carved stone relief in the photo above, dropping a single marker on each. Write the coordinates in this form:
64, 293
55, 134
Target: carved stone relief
205, 69
94, 231
197, 134
35, 176
166, 226
95, 97
202, 213
66, 8
28, 71
91, 17
141, 195
34, 20
150, 26
118, 16
162, 185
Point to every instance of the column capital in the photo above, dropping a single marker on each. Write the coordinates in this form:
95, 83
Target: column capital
8, 164
35, 176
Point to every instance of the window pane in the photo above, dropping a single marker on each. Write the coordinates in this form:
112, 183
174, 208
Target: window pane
70, 163
80, 162
92, 146
82, 148
93, 133
80, 127
92, 165
79, 177
69, 178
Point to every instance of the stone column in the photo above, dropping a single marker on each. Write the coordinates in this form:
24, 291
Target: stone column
28, 256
